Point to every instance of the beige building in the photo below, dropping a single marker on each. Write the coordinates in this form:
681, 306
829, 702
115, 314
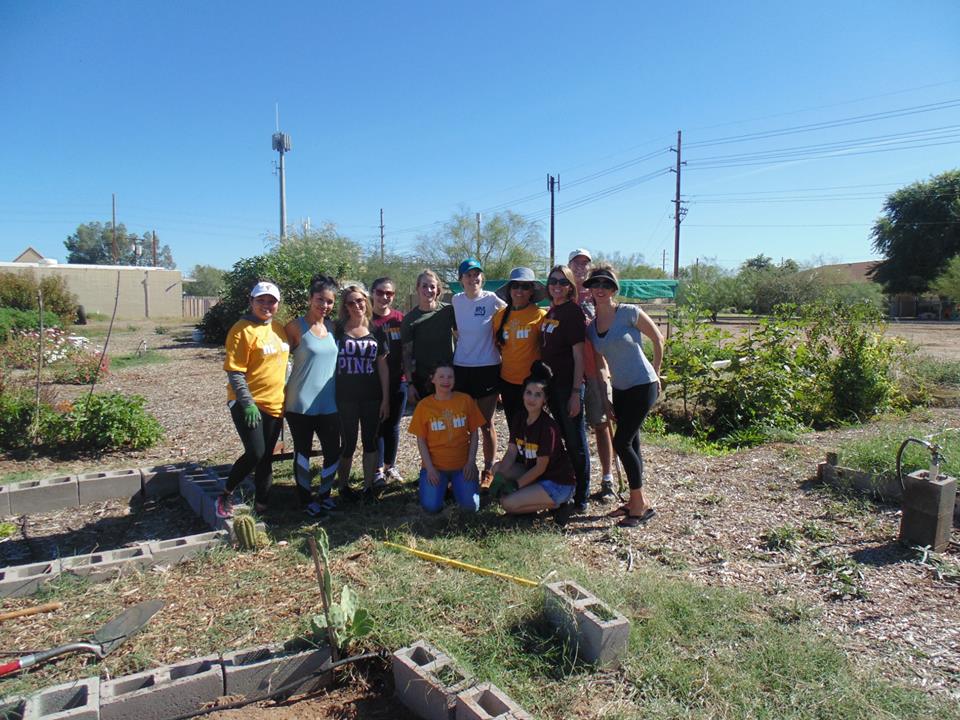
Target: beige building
145, 292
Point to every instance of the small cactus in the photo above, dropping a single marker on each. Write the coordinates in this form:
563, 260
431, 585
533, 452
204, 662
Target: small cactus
246, 531
262, 539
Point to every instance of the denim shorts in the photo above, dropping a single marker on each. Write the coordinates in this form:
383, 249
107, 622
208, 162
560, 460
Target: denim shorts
557, 492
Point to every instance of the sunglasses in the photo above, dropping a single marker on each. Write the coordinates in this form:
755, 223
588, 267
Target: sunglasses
524, 286
356, 302
385, 293
603, 285
562, 281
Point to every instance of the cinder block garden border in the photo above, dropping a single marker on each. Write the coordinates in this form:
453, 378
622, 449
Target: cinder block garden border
198, 485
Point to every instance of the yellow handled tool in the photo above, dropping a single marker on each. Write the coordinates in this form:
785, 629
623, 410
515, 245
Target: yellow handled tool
462, 565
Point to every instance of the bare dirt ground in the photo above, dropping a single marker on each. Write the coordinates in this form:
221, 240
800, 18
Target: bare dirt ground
713, 513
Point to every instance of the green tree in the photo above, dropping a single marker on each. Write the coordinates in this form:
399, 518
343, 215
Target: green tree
92, 244
630, 267
507, 240
918, 233
207, 281
760, 262
947, 283
290, 264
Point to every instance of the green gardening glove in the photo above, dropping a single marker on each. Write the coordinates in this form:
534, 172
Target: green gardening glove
251, 416
502, 486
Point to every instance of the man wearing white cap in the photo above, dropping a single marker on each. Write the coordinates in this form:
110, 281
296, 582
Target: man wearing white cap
594, 407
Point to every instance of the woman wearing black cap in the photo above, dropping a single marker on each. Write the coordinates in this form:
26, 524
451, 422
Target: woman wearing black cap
617, 336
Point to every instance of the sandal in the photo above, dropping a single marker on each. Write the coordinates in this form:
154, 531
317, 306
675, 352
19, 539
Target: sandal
637, 520
622, 511
314, 509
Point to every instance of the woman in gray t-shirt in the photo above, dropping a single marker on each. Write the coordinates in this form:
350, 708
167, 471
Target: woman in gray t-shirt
617, 336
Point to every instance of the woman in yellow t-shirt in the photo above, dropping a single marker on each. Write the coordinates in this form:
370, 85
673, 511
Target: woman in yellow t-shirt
446, 425
256, 366
516, 331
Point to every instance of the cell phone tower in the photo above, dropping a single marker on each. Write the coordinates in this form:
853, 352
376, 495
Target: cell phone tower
281, 143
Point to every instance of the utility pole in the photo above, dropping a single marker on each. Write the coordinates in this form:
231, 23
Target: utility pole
478, 237
678, 213
663, 263
381, 236
113, 245
154, 244
553, 185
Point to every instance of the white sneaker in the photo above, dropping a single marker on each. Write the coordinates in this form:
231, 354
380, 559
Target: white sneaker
393, 475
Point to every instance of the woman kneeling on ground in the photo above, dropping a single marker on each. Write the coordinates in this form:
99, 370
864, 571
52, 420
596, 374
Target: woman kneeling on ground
256, 365
446, 425
535, 461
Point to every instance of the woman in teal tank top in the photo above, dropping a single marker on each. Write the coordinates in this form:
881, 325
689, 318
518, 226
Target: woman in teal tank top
311, 406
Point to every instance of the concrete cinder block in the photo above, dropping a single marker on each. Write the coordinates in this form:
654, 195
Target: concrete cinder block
928, 510
599, 633
78, 700
258, 671
427, 681
12, 708
22, 580
109, 564
194, 491
486, 701
161, 480
109, 484
37, 496
163, 692
4, 504
170, 552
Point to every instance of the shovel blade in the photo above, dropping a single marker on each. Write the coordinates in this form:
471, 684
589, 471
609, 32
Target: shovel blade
127, 623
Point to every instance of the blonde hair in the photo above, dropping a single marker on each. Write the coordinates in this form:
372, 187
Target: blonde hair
428, 273
568, 274
344, 314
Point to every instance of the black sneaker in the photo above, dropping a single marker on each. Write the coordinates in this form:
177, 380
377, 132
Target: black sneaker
605, 494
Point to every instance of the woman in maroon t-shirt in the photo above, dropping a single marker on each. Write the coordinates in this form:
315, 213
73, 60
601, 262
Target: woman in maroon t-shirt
535, 461
562, 334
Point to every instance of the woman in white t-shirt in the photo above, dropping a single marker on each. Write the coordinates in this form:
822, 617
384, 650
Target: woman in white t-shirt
476, 358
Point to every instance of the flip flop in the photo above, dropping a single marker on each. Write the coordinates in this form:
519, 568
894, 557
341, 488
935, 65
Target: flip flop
622, 511
636, 520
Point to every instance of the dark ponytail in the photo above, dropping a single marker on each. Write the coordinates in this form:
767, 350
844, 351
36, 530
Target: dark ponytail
499, 338
541, 374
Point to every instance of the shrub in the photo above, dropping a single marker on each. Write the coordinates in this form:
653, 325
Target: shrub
18, 416
111, 421
12, 319
291, 266
18, 290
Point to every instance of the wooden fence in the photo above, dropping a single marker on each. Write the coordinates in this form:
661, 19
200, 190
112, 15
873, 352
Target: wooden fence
196, 306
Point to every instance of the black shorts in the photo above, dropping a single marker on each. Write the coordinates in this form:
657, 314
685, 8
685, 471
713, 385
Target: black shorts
477, 382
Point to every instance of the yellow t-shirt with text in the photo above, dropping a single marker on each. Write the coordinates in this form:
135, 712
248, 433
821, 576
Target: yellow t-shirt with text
521, 336
446, 426
260, 352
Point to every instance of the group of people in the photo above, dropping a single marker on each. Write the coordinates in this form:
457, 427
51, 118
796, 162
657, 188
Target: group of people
551, 368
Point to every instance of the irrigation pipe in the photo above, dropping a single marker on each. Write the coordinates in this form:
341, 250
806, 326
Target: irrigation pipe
462, 565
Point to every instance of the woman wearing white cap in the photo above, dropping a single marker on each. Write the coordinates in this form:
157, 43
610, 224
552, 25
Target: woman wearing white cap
256, 366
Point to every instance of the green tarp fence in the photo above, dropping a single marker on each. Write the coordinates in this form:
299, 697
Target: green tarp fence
630, 289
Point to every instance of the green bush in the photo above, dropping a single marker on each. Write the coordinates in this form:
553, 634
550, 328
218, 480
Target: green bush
112, 421
104, 422
18, 290
291, 266
12, 319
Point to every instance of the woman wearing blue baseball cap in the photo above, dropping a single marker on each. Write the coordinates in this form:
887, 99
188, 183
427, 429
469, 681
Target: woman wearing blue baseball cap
476, 359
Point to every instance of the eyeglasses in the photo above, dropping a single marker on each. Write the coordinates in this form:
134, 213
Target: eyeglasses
357, 302
385, 293
562, 281
603, 285
524, 286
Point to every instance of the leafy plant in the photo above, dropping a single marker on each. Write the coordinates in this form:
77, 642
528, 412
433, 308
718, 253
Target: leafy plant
781, 538
18, 290
845, 575
13, 319
346, 619
7, 529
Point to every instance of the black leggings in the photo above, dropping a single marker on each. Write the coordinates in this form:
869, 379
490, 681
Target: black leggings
258, 443
389, 436
511, 397
363, 415
302, 430
631, 407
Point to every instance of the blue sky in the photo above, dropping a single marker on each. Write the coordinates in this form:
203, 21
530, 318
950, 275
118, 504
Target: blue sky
421, 108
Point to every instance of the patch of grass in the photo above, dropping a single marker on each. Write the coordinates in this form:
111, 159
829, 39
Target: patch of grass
817, 533
18, 476
845, 574
936, 370
686, 445
878, 453
785, 537
148, 357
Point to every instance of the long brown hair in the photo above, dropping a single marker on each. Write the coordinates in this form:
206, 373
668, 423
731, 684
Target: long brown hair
568, 274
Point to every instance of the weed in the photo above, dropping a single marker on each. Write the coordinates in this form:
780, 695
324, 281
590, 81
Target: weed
711, 499
845, 575
943, 569
161, 330
783, 538
7, 529
817, 533
791, 612
878, 453
936, 370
